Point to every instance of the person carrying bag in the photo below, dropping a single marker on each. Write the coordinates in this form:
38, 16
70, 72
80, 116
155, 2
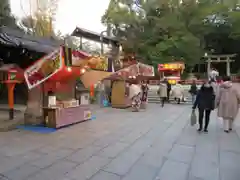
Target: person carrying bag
193, 119
205, 101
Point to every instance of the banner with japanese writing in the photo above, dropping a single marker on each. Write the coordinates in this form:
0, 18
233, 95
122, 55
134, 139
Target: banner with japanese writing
44, 68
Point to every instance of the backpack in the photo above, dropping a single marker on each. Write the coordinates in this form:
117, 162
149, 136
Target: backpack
193, 89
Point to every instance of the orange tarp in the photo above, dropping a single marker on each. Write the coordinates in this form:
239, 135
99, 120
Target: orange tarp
92, 77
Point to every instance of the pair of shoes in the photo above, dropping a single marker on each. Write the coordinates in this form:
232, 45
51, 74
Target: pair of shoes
226, 131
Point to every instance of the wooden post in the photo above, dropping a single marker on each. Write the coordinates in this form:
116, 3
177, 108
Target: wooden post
208, 66
228, 71
11, 87
92, 90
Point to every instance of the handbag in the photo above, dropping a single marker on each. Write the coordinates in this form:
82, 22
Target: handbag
193, 118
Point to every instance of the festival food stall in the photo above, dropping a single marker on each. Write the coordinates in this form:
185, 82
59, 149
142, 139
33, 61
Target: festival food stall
171, 71
122, 78
57, 72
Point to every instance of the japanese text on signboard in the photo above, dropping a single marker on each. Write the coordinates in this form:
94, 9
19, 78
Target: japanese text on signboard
43, 69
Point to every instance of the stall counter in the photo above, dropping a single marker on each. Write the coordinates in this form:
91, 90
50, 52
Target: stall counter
56, 117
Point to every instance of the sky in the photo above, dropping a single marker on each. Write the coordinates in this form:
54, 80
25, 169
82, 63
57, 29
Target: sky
71, 13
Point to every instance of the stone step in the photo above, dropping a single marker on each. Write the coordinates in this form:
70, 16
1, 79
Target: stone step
156, 96
156, 99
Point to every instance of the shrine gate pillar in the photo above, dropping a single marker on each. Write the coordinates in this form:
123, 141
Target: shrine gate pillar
228, 70
208, 66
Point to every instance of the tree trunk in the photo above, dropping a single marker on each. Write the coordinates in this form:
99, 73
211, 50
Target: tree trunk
115, 55
33, 114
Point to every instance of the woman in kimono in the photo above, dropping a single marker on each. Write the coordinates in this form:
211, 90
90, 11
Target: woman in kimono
135, 96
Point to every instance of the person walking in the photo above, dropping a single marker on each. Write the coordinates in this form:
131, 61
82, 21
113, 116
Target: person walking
213, 74
169, 88
162, 92
135, 96
227, 101
193, 91
205, 102
215, 86
144, 97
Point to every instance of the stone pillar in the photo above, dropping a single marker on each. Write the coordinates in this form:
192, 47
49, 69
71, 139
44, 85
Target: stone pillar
209, 67
33, 114
228, 71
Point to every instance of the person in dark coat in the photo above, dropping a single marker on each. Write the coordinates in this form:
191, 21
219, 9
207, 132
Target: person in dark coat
169, 88
205, 101
193, 91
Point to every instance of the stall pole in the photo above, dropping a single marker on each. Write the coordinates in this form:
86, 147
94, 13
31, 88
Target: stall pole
101, 39
92, 90
11, 86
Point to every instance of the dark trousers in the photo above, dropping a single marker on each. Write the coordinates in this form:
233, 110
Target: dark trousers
207, 117
162, 99
168, 95
178, 100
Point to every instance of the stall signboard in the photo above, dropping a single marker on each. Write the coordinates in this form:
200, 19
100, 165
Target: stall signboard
145, 70
44, 68
99, 63
171, 66
82, 59
133, 70
126, 63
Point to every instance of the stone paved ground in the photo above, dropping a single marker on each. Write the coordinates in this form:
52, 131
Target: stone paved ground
158, 144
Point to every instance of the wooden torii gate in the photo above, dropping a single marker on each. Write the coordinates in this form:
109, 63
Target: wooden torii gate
220, 59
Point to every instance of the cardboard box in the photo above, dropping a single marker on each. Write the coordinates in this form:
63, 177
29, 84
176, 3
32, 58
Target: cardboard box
71, 103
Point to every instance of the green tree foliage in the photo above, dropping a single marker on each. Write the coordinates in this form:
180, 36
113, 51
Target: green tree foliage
165, 30
6, 18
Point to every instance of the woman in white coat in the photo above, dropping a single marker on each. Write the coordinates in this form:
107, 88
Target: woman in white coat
178, 93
